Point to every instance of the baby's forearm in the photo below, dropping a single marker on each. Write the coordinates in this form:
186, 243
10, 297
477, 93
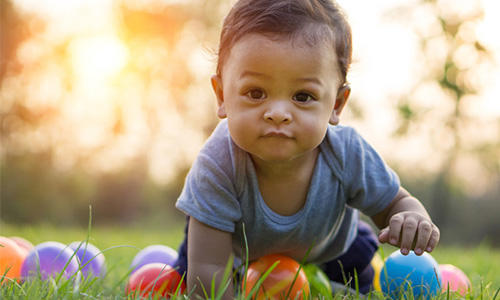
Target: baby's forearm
403, 202
201, 276
406, 203
208, 253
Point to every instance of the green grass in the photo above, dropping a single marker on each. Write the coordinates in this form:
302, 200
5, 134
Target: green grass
120, 245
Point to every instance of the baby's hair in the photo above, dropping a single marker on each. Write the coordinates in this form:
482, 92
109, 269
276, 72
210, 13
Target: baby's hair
313, 21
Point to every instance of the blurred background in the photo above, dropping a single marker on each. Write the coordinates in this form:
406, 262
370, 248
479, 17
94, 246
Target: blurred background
105, 103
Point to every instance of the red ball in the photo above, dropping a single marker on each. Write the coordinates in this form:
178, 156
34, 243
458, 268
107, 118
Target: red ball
278, 284
155, 279
455, 279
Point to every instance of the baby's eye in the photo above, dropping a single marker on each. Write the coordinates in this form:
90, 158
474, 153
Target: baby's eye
256, 94
303, 97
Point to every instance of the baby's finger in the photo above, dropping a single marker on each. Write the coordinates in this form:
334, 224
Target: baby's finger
409, 230
434, 239
424, 232
395, 225
383, 235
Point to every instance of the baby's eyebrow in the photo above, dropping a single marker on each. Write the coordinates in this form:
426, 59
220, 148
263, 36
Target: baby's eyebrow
258, 74
252, 74
310, 79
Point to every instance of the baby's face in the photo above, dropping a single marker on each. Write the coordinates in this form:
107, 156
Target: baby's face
278, 96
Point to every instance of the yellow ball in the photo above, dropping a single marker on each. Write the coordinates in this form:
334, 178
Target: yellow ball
377, 264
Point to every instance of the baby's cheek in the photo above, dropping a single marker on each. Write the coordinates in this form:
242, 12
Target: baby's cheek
243, 133
314, 132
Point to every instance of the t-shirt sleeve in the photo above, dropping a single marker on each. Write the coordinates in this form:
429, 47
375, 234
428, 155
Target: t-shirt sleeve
370, 183
209, 193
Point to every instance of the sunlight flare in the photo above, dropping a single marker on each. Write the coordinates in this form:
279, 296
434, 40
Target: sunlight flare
97, 58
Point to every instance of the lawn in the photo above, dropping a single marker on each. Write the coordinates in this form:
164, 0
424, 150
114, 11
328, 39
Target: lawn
481, 263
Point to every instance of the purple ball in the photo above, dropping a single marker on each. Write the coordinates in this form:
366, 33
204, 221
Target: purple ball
50, 258
91, 259
154, 254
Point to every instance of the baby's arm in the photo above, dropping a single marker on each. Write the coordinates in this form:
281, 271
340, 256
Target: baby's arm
406, 224
208, 253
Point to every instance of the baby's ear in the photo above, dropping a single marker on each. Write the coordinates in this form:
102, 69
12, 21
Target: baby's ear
340, 102
217, 86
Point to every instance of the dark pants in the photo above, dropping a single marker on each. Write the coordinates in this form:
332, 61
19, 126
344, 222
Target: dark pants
342, 269
181, 264
356, 260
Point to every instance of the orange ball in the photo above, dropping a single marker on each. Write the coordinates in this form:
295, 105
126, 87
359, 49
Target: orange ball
11, 258
278, 284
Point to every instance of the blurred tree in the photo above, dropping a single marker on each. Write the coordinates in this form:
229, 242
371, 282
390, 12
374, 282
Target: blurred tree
124, 143
12, 31
454, 57
159, 110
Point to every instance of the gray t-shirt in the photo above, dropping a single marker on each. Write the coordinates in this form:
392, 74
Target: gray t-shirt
221, 191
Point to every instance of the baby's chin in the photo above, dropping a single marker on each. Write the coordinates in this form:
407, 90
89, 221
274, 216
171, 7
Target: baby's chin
280, 157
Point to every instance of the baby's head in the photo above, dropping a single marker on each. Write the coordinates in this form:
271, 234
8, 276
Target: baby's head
281, 75
309, 21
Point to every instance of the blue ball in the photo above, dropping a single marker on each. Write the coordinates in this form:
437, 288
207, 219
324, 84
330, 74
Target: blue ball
418, 273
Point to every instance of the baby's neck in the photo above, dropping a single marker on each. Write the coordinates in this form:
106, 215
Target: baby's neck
284, 186
288, 169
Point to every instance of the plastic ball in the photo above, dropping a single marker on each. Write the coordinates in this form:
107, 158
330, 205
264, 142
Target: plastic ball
377, 264
454, 279
50, 259
411, 273
278, 284
92, 261
154, 254
319, 283
22, 242
11, 259
155, 279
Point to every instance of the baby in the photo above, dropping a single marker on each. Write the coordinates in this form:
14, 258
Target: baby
278, 171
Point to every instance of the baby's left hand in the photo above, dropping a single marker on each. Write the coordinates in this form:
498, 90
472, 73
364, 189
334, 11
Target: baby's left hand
410, 231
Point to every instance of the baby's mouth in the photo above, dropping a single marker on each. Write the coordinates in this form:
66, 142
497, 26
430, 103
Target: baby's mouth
278, 134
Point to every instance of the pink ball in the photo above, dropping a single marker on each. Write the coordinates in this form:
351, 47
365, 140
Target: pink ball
22, 242
455, 279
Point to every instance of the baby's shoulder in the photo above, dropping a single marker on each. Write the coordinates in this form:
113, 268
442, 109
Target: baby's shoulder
219, 142
339, 138
219, 151
341, 132
339, 145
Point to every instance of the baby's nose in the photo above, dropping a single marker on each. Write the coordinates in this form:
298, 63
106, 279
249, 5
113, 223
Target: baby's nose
278, 113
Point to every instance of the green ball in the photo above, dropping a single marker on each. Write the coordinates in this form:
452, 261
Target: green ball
319, 283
